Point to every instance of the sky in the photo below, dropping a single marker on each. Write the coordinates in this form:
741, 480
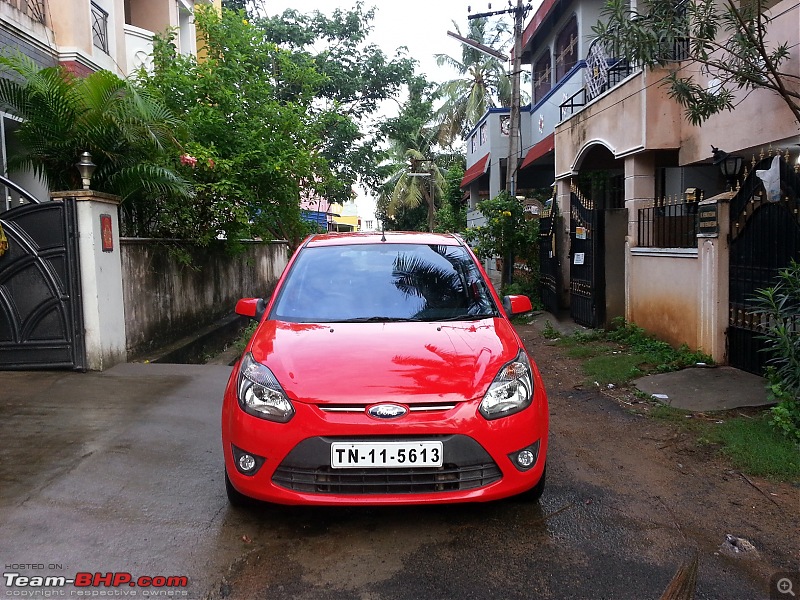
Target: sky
421, 25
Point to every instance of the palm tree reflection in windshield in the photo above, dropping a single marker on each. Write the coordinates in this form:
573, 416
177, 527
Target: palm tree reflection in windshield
446, 292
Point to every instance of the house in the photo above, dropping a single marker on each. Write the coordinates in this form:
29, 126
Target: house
86, 36
646, 226
346, 217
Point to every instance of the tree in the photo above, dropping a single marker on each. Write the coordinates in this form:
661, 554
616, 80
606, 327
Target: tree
415, 171
728, 41
357, 78
506, 233
129, 133
256, 138
483, 82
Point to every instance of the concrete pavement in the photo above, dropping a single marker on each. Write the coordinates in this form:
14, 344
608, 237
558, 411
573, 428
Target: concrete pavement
116, 471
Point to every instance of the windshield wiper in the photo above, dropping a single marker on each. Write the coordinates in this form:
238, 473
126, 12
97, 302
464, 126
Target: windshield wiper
468, 317
379, 319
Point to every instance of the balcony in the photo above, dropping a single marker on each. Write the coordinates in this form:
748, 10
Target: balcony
138, 48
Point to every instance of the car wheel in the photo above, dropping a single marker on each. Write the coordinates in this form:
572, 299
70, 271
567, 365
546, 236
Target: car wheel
533, 494
235, 497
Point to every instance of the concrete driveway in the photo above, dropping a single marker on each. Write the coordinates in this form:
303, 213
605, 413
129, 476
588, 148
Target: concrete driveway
118, 471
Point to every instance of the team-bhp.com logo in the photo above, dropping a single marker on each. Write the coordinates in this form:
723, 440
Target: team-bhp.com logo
112, 579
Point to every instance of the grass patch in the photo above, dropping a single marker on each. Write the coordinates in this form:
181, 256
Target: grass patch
618, 369
755, 447
625, 353
751, 444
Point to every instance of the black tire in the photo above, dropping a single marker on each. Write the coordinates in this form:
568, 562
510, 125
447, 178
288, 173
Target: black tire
533, 494
235, 497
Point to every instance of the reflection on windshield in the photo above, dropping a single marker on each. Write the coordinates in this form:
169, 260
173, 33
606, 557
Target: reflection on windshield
376, 282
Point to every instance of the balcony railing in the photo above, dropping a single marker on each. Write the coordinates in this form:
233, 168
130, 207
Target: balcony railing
33, 8
99, 28
666, 225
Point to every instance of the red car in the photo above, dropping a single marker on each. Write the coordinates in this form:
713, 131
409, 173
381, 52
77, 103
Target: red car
384, 370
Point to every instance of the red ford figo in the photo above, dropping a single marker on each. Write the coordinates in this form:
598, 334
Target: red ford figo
384, 370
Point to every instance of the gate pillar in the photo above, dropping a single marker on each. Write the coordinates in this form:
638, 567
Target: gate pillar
713, 254
100, 277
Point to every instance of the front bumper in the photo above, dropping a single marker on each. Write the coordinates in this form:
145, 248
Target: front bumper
296, 470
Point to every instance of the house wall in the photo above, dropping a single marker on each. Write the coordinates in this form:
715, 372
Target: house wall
166, 300
662, 293
761, 118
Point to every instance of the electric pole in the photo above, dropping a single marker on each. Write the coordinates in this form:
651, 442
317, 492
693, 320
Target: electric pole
519, 11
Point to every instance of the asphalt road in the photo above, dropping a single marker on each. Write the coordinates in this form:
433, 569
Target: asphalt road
121, 472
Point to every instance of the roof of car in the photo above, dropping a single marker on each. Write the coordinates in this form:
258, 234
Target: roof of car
388, 237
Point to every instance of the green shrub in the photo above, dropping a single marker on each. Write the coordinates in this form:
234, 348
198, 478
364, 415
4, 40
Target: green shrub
779, 309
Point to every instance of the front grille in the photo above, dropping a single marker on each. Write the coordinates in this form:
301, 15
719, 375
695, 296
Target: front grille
307, 469
412, 408
325, 480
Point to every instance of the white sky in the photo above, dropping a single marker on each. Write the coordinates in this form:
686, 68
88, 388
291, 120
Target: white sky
421, 25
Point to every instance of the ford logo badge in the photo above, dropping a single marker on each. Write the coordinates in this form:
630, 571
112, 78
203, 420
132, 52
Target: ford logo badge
387, 411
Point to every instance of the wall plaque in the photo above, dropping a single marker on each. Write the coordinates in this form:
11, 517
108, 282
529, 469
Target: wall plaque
707, 220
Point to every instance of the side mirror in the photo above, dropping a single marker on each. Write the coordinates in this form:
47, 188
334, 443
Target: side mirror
253, 308
515, 305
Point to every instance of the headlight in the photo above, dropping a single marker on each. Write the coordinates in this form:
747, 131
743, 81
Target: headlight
260, 394
511, 391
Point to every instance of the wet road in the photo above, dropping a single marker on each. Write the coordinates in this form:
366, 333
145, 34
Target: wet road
121, 472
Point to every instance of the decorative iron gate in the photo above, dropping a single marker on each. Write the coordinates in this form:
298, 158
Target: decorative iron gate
41, 320
550, 270
765, 237
587, 284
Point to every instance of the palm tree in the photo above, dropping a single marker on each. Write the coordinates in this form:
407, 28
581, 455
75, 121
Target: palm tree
415, 180
129, 134
483, 82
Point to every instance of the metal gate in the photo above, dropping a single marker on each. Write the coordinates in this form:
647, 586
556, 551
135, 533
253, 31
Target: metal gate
550, 270
41, 320
587, 284
765, 237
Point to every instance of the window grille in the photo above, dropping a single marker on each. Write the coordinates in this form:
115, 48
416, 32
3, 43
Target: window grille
100, 28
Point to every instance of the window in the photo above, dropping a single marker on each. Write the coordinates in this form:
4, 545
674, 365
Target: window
474, 143
542, 76
567, 48
99, 28
367, 224
483, 133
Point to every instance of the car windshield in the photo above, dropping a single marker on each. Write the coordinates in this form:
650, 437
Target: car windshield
383, 282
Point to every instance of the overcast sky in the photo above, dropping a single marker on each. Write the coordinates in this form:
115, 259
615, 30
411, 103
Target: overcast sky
421, 25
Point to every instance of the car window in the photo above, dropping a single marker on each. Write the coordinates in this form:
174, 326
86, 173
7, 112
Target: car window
383, 282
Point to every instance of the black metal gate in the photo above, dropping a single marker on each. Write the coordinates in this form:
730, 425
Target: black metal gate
587, 282
765, 237
41, 320
550, 270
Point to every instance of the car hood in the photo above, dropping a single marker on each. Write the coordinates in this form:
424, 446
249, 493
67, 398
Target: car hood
345, 363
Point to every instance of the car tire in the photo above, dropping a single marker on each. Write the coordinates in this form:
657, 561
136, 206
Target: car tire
533, 494
235, 497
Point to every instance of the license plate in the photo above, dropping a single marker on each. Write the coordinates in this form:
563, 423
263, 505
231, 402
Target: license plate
394, 455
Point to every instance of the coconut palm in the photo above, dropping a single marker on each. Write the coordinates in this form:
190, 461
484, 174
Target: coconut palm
128, 133
483, 82
416, 180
